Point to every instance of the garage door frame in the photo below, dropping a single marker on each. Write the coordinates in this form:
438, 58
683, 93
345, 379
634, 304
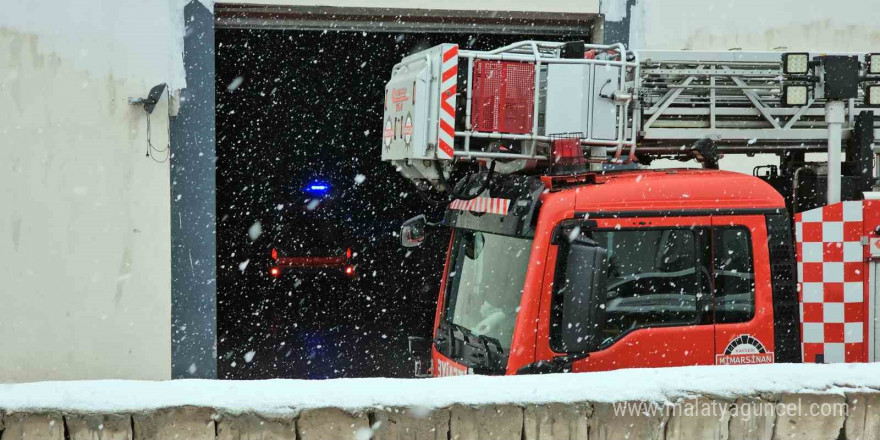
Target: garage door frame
312, 18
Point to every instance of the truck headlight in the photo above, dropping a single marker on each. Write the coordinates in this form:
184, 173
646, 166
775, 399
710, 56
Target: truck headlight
795, 95
795, 63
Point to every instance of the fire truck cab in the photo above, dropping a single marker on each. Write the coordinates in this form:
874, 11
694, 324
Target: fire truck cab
642, 268
569, 254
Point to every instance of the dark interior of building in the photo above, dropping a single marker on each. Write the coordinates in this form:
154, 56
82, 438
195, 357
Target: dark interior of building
298, 171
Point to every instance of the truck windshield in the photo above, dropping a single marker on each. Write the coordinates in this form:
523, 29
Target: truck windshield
485, 283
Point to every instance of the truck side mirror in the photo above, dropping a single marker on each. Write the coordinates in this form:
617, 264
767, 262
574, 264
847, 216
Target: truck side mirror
412, 231
420, 352
583, 296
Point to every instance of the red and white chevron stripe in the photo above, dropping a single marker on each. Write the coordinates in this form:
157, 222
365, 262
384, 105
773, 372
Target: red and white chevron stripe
491, 205
448, 82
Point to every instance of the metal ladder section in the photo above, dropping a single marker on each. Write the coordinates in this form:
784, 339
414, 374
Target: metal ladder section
665, 101
730, 97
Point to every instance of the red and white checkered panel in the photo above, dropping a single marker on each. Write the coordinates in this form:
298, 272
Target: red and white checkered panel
831, 282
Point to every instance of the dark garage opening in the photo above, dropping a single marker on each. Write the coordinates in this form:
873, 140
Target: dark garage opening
298, 170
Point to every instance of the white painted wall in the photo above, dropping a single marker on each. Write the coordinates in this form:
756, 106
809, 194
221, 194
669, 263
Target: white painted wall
570, 6
843, 25
84, 214
792, 25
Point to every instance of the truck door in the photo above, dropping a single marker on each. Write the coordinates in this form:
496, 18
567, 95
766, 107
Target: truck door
658, 307
742, 291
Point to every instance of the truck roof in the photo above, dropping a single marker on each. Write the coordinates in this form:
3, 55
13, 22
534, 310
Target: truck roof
675, 189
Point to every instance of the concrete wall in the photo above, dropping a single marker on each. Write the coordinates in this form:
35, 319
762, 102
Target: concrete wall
857, 417
846, 25
581, 6
84, 223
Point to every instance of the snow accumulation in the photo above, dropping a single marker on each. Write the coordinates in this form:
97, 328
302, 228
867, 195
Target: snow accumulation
287, 396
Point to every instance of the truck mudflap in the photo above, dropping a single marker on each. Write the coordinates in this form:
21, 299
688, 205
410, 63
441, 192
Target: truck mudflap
509, 206
838, 249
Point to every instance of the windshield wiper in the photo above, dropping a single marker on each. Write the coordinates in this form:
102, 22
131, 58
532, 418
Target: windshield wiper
495, 359
483, 353
445, 339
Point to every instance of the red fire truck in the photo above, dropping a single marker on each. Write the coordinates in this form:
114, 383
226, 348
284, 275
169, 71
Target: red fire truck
571, 251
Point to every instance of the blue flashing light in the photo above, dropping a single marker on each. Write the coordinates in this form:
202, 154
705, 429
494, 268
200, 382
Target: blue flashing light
318, 188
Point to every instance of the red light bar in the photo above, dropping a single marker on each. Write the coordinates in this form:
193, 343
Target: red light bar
274, 254
568, 156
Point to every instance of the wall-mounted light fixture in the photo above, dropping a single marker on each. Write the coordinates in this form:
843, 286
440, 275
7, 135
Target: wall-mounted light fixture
149, 104
152, 98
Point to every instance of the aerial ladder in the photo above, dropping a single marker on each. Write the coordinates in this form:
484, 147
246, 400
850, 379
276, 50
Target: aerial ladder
508, 107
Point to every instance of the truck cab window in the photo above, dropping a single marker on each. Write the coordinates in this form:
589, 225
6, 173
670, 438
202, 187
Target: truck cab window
661, 277
734, 276
655, 278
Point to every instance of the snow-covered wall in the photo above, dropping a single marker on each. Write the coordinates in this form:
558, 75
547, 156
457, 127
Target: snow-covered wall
84, 223
756, 402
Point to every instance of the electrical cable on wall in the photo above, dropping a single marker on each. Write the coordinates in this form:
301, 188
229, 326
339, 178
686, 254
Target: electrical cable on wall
151, 150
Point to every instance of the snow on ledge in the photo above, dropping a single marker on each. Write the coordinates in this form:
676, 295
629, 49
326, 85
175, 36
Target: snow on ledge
287, 396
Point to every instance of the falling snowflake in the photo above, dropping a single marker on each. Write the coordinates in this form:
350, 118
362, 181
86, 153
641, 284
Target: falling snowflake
235, 83
255, 231
249, 356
